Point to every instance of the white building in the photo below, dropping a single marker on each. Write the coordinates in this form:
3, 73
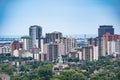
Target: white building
69, 44
27, 43
5, 49
80, 54
114, 47
16, 53
42, 44
26, 54
95, 53
117, 46
36, 57
90, 53
111, 47
36, 54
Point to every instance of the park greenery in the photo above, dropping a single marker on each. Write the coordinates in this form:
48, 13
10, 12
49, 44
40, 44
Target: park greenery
106, 68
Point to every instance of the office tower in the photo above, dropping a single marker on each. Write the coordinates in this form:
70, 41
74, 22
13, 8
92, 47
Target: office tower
90, 53
27, 42
35, 33
52, 37
105, 28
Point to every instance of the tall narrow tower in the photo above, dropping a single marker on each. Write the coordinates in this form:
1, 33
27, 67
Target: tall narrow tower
35, 33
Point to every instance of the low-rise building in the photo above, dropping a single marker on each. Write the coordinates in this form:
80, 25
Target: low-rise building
5, 49
4, 77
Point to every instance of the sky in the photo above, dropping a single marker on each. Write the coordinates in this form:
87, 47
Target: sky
66, 16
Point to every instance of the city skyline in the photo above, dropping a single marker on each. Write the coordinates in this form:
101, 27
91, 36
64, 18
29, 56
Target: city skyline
68, 17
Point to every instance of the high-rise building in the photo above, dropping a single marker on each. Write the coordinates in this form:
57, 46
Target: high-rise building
114, 47
90, 53
70, 44
35, 33
111, 47
109, 37
117, 46
104, 43
53, 50
42, 44
105, 28
27, 42
52, 37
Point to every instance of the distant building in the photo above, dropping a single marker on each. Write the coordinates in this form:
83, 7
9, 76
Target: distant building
86, 53
52, 37
16, 45
105, 34
43, 57
59, 67
27, 42
105, 38
25, 53
42, 44
70, 44
35, 33
73, 54
93, 41
5, 49
53, 50
103, 29
117, 46
111, 47
16, 53
36, 53
4, 77
90, 53
114, 47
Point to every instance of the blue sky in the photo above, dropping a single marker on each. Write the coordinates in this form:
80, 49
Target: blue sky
66, 16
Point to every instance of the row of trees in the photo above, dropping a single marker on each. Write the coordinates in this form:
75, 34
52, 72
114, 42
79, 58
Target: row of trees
106, 68
70, 74
8, 57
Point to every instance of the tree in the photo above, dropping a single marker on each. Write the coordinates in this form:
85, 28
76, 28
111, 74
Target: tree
24, 68
78, 76
15, 77
44, 73
5, 68
70, 75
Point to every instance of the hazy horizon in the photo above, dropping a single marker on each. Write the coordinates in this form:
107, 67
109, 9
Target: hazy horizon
66, 16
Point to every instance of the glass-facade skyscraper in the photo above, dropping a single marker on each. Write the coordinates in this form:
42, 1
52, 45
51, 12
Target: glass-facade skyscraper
105, 28
35, 33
